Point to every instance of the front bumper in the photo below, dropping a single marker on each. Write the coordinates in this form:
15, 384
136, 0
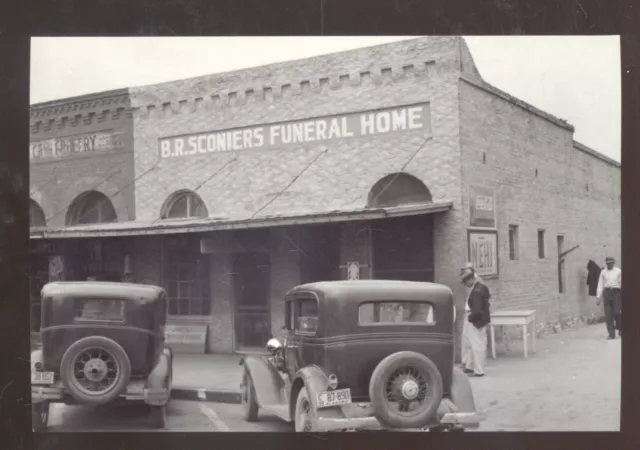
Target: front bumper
466, 420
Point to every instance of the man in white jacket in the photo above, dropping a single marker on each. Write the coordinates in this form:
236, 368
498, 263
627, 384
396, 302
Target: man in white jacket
610, 291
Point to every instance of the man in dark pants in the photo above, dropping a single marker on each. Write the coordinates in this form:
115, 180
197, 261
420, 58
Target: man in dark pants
610, 291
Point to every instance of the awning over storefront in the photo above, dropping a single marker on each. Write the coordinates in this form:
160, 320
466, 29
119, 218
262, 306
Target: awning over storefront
138, 228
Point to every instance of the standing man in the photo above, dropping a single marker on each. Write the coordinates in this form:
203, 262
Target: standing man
610, 290
474, 331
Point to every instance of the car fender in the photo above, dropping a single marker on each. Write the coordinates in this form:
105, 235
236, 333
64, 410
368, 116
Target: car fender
461, 392
162, 374
266, 379
314, 379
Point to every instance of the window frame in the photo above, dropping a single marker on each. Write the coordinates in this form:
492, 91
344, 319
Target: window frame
193, 201
388, 324
294, 314
541, 244
513, 243
78, 319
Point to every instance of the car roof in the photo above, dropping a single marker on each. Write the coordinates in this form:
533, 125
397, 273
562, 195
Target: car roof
359, 290
144, 292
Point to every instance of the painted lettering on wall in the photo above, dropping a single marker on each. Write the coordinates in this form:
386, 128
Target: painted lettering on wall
408, 118
73, 145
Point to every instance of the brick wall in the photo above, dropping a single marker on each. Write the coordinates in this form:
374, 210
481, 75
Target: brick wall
542, 181
55, 184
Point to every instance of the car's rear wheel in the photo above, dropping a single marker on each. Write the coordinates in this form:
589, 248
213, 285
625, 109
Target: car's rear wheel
249, 401
405, 390
95, 370
40, 416
304, 419
158, 416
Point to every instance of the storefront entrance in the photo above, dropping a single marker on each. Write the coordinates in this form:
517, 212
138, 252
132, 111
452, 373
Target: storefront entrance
251, 291
403, 248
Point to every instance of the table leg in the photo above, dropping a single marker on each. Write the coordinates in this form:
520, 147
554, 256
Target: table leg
524, 338
492, 332
533, 336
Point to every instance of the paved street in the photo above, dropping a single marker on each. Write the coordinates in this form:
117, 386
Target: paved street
182, 416
572, 383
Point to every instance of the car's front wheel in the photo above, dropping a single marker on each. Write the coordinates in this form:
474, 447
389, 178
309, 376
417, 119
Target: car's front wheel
249, 401
40, 416
304, 416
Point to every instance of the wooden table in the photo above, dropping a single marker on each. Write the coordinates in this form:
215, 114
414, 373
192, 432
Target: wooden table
520, 318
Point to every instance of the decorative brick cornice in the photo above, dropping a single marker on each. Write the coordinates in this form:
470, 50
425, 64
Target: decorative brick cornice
273, 92
85, 109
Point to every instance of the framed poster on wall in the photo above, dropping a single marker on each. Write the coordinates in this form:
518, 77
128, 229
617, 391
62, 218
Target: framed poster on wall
483, 252
482, 207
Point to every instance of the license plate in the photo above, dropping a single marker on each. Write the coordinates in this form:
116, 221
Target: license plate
333, 398
42, 377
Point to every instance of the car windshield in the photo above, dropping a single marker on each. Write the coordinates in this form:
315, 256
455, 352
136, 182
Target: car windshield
395, 312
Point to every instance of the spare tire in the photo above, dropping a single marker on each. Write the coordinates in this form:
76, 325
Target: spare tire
95, 370
405, 390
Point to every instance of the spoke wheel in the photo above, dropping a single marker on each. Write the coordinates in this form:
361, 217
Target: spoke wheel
95, 370
405, 390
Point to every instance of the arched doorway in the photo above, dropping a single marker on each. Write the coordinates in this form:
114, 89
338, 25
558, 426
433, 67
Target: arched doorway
94, 259
402, 246
36, 215
187, 275
91, 207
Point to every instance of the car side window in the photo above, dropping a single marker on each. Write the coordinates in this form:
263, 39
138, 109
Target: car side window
306, 316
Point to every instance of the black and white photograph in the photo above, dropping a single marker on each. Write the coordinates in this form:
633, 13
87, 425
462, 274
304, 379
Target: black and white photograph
397, 233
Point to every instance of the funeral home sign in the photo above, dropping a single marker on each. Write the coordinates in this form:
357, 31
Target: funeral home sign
320, 129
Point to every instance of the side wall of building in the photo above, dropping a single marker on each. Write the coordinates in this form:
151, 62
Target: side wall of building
541, 182
57, 181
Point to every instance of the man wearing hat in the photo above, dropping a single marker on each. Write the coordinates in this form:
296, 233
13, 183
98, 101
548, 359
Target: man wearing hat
477, 317
610, 291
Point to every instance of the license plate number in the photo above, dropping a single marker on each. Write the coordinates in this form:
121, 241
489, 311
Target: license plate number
42, 377
333, 398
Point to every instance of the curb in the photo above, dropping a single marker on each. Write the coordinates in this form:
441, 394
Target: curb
205, 395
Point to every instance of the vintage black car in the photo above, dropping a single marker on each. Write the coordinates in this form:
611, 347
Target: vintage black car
102, 343
357, 355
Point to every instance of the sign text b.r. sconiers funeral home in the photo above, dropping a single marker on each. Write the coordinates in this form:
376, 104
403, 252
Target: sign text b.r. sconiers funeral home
407, 118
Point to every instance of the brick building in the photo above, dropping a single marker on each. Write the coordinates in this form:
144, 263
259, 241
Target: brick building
396, 162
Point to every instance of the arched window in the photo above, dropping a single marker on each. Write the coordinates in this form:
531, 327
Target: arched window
91, 207
36, 215
184, 204
398, 189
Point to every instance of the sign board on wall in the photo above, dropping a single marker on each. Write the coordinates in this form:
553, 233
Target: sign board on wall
61, 147
483, 252
191, 338
319, 129
482, 207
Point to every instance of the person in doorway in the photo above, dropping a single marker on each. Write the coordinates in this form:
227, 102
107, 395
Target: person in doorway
466, 345
474, 331
610, 291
